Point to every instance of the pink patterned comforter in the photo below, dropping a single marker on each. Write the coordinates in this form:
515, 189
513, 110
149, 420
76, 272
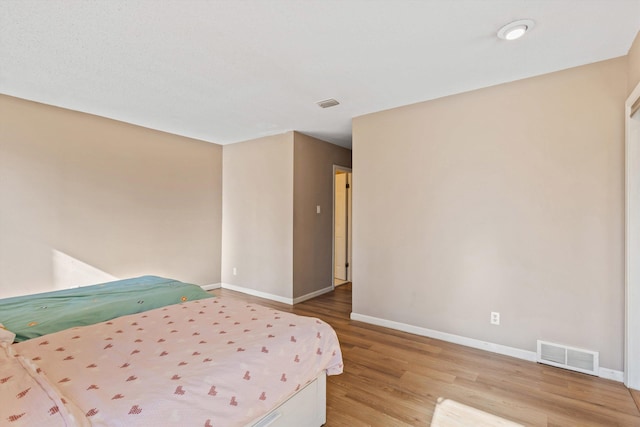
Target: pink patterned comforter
214, 362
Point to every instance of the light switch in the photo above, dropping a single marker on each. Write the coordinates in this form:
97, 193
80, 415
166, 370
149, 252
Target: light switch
318, 209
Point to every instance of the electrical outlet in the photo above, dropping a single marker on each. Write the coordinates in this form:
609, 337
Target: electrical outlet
495, 318
235, 271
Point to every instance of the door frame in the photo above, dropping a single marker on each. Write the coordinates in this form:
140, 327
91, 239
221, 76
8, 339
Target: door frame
632, 245
345, 169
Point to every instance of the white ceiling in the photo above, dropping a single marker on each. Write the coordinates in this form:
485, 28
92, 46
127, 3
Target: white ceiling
228, 71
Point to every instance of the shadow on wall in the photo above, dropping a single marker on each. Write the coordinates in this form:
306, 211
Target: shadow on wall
52, 271
70, 272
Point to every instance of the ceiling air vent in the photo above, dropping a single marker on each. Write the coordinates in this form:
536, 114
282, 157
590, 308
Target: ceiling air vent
328, 103
561, 356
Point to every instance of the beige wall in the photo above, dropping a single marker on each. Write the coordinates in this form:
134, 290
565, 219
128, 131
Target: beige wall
634, 63
83, 198
257, 218
312, 232
507, 199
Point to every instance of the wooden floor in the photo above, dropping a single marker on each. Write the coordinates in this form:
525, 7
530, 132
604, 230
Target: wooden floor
393, 378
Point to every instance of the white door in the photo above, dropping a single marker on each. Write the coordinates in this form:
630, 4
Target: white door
340, 226
632, 294
349, 227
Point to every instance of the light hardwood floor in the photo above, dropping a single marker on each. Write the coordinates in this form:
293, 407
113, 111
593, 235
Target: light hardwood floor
392, 378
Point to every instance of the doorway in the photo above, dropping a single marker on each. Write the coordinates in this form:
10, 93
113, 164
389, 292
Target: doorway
341, 225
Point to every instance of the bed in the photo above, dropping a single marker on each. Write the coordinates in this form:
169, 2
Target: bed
30, 316
204, 362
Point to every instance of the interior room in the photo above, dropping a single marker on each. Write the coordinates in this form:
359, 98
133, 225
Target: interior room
452, 186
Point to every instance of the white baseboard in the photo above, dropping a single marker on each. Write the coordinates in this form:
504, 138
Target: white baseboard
211, 286
456, 339
312, 294
272, 297
611, 374
259, 294
530, 356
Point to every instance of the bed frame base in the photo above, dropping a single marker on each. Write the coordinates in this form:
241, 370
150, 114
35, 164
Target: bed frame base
308, 407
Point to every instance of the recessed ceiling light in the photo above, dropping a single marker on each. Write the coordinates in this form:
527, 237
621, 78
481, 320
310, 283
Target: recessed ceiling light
515, 29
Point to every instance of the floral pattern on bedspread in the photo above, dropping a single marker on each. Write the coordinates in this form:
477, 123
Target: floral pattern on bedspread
216, 362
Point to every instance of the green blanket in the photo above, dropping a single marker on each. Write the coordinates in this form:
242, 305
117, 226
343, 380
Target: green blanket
31, 316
